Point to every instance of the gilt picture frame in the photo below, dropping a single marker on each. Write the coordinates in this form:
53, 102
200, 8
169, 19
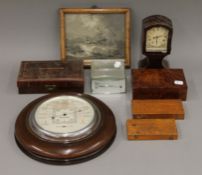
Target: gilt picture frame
95, 33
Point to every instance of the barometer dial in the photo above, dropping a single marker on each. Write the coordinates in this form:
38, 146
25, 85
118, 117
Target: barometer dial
64, 118
64, 115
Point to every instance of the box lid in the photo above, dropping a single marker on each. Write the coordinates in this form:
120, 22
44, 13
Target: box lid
158, 78
50, 71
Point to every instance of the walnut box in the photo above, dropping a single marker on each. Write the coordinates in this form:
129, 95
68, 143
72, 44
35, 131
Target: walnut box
159, 84
51, 76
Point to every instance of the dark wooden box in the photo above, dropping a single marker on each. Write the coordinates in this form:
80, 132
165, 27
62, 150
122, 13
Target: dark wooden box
159, 84
51, 76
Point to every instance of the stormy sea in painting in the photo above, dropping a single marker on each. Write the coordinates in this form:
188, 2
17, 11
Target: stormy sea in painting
95, 36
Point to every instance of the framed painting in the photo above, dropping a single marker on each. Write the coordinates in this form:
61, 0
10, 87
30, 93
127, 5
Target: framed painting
94, 33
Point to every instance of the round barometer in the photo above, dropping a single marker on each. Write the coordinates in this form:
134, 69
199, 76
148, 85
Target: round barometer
65, 128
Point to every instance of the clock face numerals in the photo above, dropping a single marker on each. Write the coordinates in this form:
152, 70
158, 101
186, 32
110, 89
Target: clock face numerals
64, 114
157, 39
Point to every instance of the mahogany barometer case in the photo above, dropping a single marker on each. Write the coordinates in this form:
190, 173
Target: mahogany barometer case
65, 128
51, 76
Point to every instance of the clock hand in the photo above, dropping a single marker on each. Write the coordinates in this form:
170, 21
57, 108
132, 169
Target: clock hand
65, 115
156, 39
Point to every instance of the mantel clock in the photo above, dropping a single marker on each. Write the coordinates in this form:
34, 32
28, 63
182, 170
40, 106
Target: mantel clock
156, 39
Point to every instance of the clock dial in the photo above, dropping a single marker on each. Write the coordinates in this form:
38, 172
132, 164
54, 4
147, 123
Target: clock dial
157, 39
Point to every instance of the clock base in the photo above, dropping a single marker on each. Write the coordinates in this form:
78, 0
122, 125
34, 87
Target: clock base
157, 63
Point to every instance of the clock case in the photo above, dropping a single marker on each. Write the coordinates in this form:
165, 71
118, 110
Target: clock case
51, 77
154, 59
65, 153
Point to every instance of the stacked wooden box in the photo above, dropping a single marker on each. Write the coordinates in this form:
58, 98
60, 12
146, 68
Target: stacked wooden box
156, 103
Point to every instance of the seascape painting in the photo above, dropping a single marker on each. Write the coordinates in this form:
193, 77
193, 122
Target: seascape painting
95, 36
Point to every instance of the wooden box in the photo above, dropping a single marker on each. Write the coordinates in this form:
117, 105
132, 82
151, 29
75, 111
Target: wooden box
152, 129
159, 84
157, 109
51, 76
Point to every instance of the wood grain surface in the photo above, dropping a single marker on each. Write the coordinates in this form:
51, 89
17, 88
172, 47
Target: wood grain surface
152, 129
51, 76
151, 109
159, 84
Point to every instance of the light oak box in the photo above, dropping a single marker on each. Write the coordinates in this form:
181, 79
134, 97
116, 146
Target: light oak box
152, 129
157, 109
